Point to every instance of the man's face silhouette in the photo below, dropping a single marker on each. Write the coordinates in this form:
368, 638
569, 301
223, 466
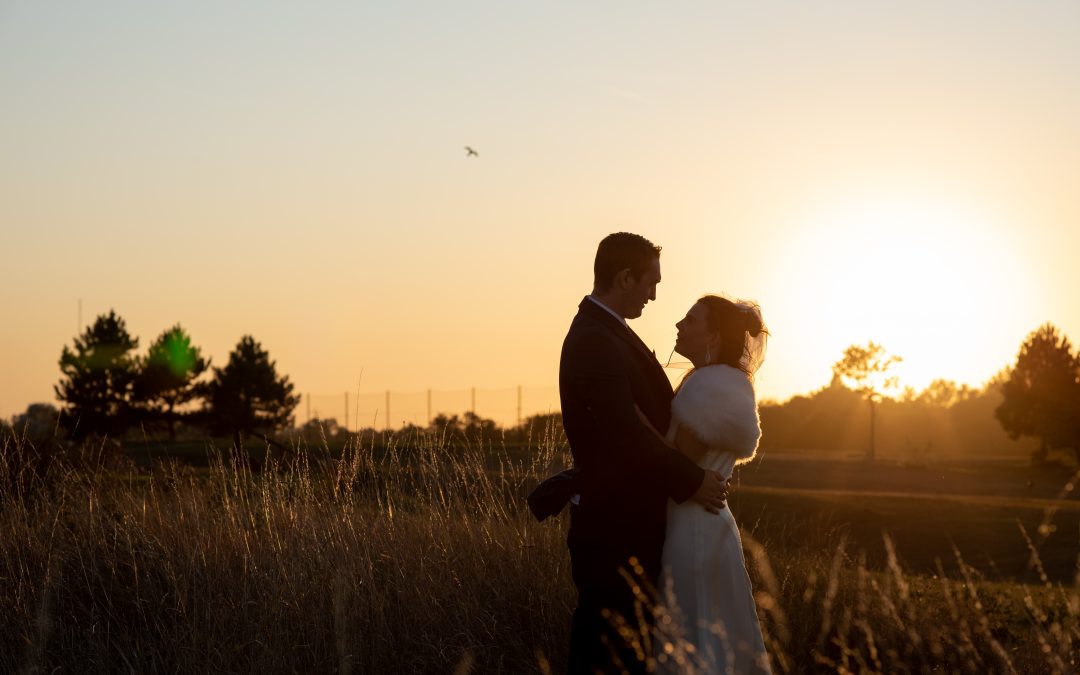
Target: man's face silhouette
639, 292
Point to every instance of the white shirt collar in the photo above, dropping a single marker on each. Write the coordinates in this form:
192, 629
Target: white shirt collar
608, 310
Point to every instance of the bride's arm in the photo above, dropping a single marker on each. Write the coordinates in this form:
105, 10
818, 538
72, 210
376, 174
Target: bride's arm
685, 442
688, 444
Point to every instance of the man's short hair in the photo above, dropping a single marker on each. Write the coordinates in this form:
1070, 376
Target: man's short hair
620, 251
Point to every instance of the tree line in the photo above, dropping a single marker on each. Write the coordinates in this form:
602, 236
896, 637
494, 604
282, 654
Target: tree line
1031, 406
468, 428
107, 390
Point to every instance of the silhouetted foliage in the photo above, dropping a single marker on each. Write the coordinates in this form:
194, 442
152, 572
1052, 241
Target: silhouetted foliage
167, 378
445, 425
34, 442
1042, 393
36, 453
318, 431
867, 368
247, 397
821, 420
945, 393
39, 425
97, 379
918, 427
476, 428
469, 428
534, 428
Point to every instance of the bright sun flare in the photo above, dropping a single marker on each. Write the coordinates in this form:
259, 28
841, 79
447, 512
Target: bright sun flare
932, 282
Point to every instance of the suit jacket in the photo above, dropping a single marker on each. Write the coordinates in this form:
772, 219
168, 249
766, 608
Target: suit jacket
626, 473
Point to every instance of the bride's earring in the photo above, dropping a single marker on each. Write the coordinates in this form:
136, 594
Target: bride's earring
708, 355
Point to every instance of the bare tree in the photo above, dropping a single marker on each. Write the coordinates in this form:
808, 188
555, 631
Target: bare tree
866, 370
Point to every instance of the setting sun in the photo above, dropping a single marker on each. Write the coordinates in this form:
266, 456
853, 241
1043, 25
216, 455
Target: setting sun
931, 280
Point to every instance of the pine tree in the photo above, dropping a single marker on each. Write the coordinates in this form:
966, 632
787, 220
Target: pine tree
247, 397
167, 377
97, 379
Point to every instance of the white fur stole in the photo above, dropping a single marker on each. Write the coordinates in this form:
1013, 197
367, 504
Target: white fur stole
716, 403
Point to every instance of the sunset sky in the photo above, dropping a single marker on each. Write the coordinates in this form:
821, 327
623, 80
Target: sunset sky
907, 173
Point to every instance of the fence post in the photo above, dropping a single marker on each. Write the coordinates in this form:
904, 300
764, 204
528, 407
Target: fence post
429, 407
346, 411
309, 407
519, 405
388, 410
472, 408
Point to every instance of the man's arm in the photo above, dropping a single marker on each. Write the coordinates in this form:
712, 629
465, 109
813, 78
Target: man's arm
601, 381
689, 445
685, 441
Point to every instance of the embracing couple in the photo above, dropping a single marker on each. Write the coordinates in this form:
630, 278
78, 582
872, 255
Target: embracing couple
655, 554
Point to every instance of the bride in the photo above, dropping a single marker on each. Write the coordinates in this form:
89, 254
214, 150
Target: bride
715, 423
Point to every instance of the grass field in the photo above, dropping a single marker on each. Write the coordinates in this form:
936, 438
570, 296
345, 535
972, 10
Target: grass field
419, 558
985, 511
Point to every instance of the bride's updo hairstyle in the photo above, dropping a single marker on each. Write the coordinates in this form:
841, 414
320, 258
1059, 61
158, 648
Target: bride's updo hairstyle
742, 332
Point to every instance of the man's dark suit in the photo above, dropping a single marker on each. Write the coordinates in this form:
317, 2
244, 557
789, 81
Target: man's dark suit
626, 474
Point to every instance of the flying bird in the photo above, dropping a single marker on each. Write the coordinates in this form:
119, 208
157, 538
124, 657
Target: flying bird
469, 152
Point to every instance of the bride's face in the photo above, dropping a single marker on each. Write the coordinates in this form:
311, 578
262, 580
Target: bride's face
693, 339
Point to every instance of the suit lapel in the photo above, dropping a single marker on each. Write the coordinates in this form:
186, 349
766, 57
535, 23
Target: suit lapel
631, 338
624, 333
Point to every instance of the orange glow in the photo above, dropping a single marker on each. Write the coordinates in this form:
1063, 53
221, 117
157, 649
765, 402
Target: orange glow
931, 280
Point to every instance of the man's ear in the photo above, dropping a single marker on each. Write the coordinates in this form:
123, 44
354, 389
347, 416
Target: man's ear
624, 279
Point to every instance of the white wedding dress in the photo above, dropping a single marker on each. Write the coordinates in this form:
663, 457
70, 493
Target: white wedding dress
713, 624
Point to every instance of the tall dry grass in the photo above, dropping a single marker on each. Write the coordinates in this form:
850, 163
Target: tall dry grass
423, 558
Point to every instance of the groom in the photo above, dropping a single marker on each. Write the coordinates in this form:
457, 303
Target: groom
626, 473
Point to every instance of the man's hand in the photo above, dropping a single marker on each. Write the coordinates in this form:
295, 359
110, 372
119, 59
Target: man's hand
712, 493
